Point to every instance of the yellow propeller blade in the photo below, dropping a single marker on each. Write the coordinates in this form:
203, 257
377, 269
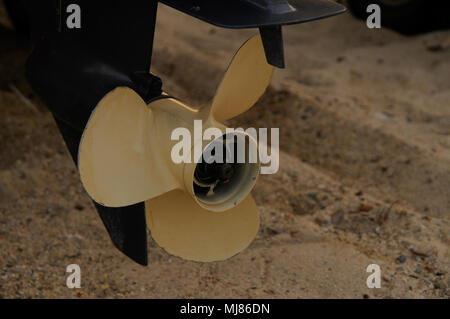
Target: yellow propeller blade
184, 229
245, 81
115, 159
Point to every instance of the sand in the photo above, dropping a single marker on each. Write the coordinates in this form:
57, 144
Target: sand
364, 177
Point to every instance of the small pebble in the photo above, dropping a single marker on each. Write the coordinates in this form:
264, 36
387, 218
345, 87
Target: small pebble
365, 207
400, 259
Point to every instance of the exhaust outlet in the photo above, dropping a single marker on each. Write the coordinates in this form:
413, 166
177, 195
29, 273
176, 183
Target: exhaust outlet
225, 173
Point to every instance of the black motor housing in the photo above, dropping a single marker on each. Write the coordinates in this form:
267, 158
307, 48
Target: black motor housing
73, 69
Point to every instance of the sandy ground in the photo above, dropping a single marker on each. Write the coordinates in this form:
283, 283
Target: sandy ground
364, 119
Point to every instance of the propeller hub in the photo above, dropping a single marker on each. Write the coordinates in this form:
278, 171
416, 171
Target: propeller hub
221, 181
226, 172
